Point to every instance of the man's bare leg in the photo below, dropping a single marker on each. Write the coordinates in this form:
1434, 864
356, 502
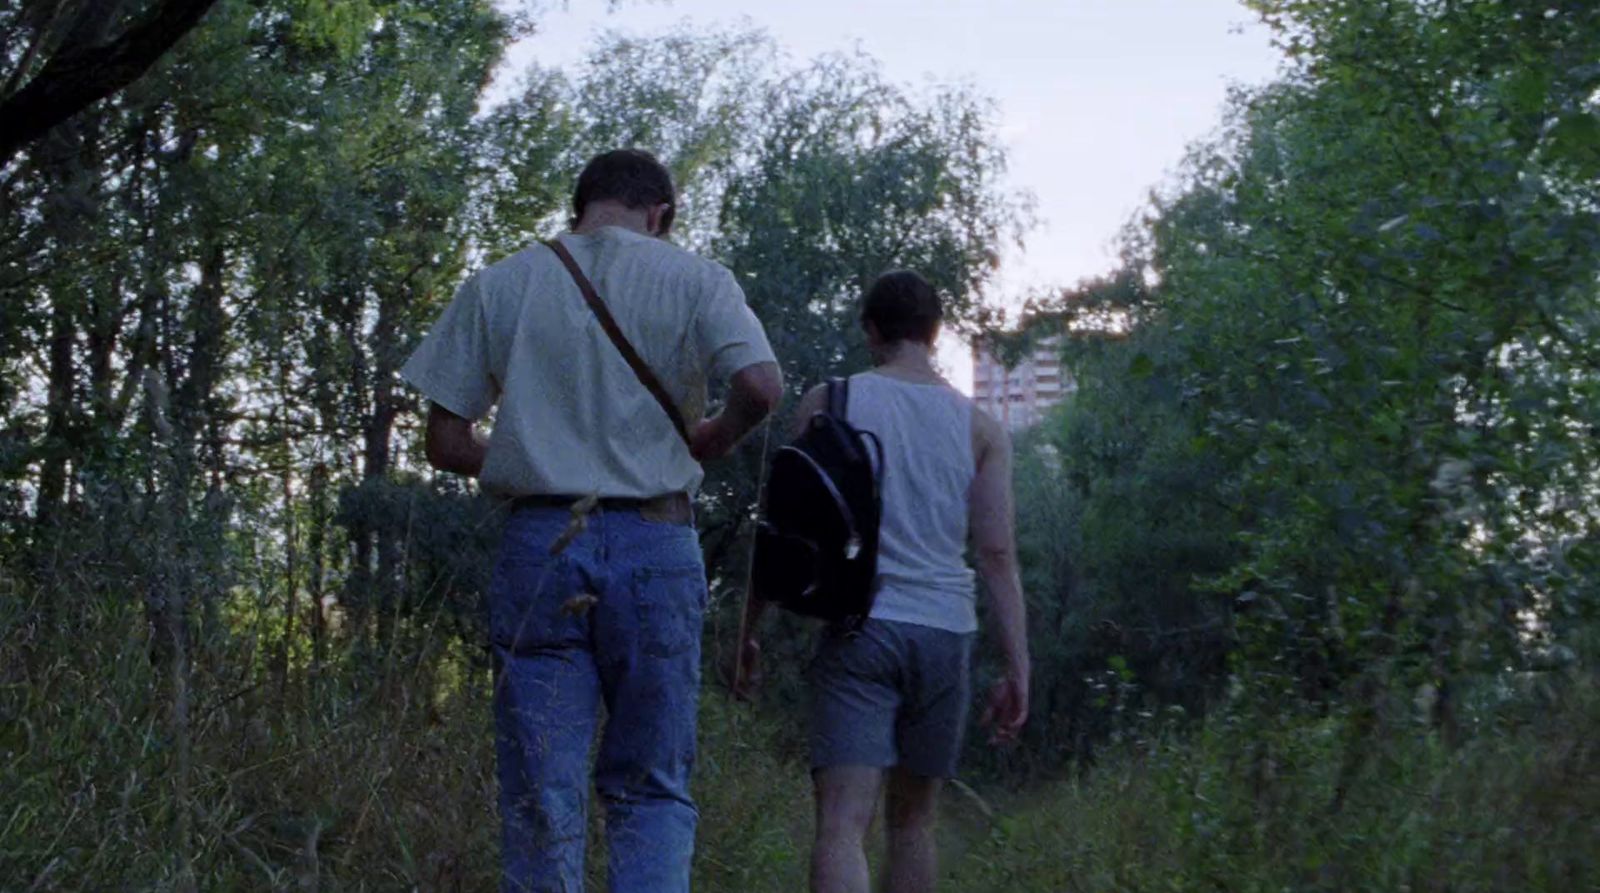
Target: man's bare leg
913, 852
847, 798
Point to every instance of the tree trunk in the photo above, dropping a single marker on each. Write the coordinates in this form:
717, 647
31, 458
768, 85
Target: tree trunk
291, 600
194, 404
105, 317
66, 302
58, 414
319, 521
380, 429
195, 423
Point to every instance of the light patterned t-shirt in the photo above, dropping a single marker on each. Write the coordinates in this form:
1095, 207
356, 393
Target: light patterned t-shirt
572, 418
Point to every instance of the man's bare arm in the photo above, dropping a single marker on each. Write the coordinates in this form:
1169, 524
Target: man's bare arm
993, 525
753, 393
452, 443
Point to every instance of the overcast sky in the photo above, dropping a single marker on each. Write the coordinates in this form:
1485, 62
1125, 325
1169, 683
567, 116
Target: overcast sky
1098, 98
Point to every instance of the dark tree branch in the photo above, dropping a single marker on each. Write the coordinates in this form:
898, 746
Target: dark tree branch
80, 75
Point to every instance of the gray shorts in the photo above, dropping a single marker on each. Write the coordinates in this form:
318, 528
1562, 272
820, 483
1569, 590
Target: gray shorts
897, 694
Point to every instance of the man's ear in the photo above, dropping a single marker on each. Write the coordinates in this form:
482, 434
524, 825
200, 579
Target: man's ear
659, 219
873, 335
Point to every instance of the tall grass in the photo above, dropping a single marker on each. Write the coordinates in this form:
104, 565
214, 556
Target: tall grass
1250, 806
368, 774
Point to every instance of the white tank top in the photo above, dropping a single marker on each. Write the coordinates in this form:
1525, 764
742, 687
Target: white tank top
926, 430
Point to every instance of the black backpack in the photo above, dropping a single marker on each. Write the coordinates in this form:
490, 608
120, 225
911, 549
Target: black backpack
816, 549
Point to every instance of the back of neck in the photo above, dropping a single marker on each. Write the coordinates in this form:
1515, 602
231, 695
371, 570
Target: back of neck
908, 361
597, 218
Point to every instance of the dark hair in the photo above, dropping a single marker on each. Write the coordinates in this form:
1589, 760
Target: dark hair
903, 306
631, 176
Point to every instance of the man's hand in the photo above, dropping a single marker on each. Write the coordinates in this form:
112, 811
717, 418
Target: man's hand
747, 675
753, 393
711, 440
1007, 710
452, 444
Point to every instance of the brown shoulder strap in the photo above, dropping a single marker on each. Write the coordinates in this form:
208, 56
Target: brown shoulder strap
608, 324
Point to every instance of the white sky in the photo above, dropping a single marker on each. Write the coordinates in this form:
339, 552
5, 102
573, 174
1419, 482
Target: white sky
1098, 98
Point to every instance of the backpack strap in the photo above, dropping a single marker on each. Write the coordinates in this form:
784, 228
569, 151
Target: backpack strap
839, 398
838, 409
608, 324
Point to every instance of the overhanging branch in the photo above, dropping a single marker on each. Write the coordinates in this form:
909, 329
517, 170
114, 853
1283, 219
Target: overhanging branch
78, 76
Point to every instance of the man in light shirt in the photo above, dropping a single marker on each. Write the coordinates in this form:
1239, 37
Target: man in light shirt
607, 609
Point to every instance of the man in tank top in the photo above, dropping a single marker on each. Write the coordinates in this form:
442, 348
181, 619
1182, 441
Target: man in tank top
889, 706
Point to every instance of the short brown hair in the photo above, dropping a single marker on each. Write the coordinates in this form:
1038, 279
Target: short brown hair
903, 306
633, 177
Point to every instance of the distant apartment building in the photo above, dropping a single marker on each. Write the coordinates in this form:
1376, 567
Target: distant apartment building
1021, 395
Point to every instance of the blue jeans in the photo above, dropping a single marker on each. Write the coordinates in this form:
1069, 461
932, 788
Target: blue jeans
558, 657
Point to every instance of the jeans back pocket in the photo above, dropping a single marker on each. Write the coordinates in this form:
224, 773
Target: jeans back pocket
671, 604
526, 598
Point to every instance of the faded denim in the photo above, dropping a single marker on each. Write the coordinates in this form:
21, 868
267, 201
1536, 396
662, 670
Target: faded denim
636, 650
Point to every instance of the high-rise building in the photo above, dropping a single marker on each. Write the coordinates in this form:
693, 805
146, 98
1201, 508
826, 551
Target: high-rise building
1021, 395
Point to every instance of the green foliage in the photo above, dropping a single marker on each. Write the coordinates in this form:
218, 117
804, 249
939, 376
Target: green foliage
446, 542
1119, 524
1347, 448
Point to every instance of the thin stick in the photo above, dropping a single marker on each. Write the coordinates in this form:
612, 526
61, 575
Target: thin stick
750, 564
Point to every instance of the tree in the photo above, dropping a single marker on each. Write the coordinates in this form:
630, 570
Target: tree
1362, 361
84, 63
